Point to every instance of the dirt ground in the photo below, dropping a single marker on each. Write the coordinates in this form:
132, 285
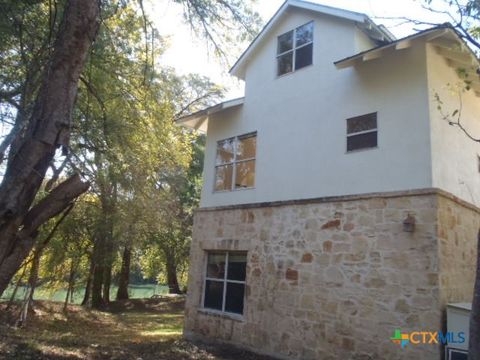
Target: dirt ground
148, 329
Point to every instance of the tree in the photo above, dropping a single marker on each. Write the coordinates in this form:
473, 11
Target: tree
38, 105
32, 150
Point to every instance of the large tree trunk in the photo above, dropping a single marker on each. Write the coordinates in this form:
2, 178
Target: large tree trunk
48, 128
98, 272
88, 285
474, 343
172, 280
124, 278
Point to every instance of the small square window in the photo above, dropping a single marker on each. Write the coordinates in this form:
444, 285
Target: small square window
225, 282
362, 132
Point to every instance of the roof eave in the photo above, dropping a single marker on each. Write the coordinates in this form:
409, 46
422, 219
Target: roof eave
199, 120
238, 69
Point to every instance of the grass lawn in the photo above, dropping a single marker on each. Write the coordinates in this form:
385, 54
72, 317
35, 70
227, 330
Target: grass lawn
41, 293
137, 329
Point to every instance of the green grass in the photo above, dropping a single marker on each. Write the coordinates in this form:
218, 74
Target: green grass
41, 293
148, 329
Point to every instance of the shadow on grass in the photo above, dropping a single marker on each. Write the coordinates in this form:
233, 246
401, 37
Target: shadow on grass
148, 329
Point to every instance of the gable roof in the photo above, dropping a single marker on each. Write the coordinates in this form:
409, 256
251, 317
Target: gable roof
377, 33
199, 119
446, 41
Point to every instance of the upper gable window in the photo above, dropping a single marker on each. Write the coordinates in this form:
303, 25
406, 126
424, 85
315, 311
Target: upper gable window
295, 49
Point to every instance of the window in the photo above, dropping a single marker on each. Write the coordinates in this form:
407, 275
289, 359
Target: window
235, 163
295, 49
362, 132
225, 282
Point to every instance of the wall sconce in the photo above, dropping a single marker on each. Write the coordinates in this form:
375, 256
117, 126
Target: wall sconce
409, 223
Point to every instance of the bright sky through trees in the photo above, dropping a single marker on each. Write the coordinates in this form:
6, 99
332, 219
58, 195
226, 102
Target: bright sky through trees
188, 54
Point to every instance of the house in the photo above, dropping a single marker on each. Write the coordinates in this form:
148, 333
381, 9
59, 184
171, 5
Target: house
339, 205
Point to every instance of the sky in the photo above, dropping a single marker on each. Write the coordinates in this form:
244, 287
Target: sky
189, 54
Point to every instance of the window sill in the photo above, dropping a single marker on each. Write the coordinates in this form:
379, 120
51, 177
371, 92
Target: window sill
234, 190
220, 314
362, 150
293, 72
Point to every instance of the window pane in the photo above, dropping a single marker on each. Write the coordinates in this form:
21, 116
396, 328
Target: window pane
216, 266
362, 123
362, 141
223, 178
225, 151
285, 63
246, 147
234, 298
237, 266
245, 174
303, 56
285, 42
213, 294
304, 34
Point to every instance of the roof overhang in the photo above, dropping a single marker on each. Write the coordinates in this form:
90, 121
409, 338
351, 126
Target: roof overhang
375, 32
199, 120
446, 42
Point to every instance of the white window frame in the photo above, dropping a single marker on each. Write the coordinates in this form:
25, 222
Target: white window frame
234, 162
294, 48
225, 281
361, 133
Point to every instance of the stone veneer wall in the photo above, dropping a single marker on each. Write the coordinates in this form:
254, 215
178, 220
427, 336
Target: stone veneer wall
333, 278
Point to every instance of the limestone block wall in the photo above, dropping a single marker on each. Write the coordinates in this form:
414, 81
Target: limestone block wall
333, 278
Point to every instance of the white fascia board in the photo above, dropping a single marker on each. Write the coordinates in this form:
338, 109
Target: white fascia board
238, 68
199, 120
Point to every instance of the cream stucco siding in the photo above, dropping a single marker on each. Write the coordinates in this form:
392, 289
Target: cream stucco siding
301, 120
455, 162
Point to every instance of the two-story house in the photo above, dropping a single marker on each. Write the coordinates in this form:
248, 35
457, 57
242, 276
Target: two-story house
339, 204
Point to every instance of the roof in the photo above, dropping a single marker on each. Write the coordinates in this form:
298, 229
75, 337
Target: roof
377, 33
447, 43
198, 120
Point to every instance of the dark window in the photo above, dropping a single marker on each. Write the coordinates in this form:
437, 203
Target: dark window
235, 163
303, 56
225, 281
362, 132
295, 49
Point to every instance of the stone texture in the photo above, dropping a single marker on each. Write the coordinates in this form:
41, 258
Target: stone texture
334, 279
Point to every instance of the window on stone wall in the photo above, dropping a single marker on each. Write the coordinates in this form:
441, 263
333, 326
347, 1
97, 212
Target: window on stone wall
362, 132
295, 49
235, 163
225, 281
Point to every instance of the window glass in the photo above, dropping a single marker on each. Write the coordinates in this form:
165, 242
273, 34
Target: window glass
237, 266
216, 266
285, 42
213, 294
234, 298
285, 63
246, 147
223, 178
225, 151
362, 123
235, 163
304, 34
362, 141
245, 174
303, 56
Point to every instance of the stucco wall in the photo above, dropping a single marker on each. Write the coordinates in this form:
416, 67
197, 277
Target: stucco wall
301, 121
334, 279
455, 164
